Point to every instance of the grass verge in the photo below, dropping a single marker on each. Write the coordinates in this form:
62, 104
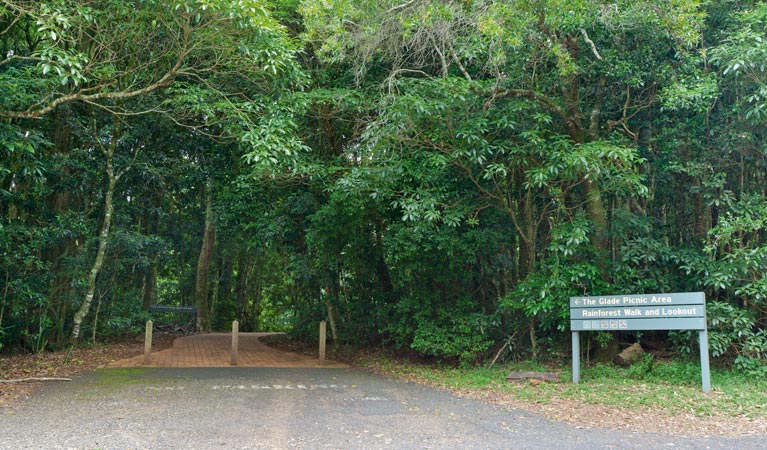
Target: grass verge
672, 387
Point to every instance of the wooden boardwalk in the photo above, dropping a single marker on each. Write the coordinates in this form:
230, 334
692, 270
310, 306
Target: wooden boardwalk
214, 350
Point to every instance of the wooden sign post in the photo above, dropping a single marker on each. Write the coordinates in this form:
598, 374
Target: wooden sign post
148, 343
323, 338
235, 343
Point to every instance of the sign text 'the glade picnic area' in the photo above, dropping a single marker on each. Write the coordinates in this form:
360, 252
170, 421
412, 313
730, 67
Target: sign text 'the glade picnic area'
626, 300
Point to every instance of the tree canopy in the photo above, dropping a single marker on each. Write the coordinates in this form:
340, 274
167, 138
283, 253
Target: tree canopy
437, 176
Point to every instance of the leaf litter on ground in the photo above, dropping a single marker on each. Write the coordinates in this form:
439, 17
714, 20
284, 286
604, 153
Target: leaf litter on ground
64, 364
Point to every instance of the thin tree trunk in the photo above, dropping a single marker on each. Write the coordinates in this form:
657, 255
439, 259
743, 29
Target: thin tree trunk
13, 210
332, 319
96, 319
598, 216
5, 296
527, 256
596, 212
382, 269
255, 311
203, 265
241, 292
333, 293
150, 287
222, 289
61, 202
100, 254
533, 339
527, 242
699, 212
112, 177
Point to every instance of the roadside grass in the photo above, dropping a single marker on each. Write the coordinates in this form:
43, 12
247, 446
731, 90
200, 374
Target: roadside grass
120, 377
673, 387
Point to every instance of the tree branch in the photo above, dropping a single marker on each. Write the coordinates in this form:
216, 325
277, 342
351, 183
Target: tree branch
19, 58
13, 22
543, 100
442, 60
22, 380
402, 6
37, 113
591, 44
458, 62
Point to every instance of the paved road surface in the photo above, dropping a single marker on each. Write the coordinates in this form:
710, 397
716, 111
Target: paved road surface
278, 408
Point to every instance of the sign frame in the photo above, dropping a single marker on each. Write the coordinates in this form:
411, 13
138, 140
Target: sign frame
637, 312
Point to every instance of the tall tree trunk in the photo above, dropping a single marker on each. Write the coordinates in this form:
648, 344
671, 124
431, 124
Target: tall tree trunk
12, 187
596, 213
332, 295
223, 297
241, 291
527, 242
255, 304
60, 202
700, 212
598, 216
100, 254
527, 255
6, 286
332, 319
382, 269
150, 286
203, 264
113, 177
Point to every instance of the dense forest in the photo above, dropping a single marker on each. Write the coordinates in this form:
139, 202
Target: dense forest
438, 176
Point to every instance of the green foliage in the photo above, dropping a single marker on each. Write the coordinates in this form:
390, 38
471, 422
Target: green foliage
435, 176
451, 338
107, 51
274, 317
733, 337
733, 333
697, 92
733, 265
741, 55
569, 271
122, 324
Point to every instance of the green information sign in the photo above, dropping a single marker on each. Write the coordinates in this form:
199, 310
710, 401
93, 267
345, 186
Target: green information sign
684, 298
683, 311
678, 311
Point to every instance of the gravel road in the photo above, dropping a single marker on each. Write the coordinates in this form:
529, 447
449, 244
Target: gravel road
256, 408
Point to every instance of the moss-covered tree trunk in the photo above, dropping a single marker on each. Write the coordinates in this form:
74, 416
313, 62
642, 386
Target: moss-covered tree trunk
98, 263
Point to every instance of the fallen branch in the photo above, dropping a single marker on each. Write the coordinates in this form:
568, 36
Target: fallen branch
498, 353
21, 380
552, 377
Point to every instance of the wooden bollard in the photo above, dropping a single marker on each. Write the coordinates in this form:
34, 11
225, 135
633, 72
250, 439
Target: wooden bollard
323, 336
148, 343
235, 342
